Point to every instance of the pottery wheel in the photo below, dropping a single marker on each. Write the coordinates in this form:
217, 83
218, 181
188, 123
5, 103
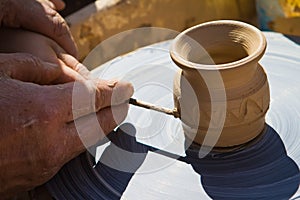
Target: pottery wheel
268, 169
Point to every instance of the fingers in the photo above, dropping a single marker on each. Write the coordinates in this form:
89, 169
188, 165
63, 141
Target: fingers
112, 93
88, 127
54, 4
77, 99
41, 18
88, 130
68, 75
93, 95
59, 5
28, 68
96, 95
73, 63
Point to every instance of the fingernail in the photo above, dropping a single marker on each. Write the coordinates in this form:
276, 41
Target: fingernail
131, 91
128, 90
112, 83
122, 93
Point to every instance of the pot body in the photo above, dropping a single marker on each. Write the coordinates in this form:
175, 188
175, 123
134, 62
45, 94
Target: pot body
221, 90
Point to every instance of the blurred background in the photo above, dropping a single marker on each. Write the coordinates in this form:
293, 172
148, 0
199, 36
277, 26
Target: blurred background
94, 21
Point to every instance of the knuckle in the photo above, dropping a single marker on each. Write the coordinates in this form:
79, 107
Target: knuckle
81, 69
84, 99
28, 59
34, 61
101, 97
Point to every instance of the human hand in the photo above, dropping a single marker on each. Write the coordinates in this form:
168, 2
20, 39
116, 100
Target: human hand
42, 52
40, 123
38, 132
39, 16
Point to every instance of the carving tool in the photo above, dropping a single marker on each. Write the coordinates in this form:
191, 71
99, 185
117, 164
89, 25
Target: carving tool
150, 106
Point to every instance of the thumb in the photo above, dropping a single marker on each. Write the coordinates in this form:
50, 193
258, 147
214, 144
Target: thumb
28, 68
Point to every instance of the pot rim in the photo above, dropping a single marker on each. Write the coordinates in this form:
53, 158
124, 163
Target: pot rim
256, 55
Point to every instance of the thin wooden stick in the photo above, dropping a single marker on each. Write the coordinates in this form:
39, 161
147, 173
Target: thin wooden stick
150, 106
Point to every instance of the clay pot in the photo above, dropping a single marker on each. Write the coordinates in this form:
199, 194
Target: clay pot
219, 65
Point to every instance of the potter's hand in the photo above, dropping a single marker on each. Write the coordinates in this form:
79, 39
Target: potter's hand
41, 52
38, 133
38, 16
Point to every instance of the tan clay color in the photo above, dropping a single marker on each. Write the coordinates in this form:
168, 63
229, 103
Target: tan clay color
207, 54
